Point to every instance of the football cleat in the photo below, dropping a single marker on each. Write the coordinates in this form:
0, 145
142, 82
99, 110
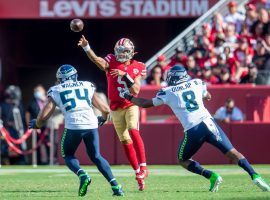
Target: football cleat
140, 179
257, 180
84, 183
117, 190
215, 181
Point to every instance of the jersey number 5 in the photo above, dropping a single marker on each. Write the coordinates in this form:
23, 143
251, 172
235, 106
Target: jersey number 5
189, 99
70, 103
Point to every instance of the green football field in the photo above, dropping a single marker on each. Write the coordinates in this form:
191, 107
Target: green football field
164, 182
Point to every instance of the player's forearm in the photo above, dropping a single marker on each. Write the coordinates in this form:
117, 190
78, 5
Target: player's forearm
100, 62
45, 113
135, 89
144, 103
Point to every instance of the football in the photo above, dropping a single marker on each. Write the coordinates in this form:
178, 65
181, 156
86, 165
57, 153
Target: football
76, 25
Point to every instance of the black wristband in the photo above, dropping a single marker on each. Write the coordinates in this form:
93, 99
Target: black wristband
129, 81
128, 97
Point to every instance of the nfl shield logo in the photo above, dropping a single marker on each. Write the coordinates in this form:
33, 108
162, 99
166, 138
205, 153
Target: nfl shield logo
135, 71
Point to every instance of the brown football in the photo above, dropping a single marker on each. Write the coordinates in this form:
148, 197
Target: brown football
76, 25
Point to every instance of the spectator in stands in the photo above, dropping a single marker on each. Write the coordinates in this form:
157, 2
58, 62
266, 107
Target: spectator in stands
193, 69
251, 15
219, 43
234, 17
179, 58
207, 75
218, 24
225, 77
262, 57
231, 37
12, 114
37, 103
251, 76
155, 79
243, 55
229, 112
207, 34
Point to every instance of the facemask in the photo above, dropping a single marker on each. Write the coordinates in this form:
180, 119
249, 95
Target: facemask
38, 95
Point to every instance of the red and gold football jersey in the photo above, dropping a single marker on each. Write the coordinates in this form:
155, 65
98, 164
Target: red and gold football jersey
115, 83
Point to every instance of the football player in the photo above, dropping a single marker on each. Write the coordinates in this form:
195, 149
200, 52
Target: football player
75, 99
123, 71
185, 97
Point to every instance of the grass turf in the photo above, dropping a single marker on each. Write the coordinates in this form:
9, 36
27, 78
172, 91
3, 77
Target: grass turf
164, 182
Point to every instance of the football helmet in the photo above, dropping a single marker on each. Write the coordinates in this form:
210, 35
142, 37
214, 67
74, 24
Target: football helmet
66, 72
177, 75
124, 50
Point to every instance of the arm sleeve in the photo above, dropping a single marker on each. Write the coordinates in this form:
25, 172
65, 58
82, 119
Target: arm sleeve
161, 98
110, 59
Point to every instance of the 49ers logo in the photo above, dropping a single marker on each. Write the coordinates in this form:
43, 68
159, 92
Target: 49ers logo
135, 71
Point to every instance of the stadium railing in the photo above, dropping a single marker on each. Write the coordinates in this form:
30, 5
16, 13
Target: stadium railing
185, 38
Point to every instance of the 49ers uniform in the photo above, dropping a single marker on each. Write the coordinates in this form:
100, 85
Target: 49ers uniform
121, 107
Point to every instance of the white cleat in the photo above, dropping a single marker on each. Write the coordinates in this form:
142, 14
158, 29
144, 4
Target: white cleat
261, 184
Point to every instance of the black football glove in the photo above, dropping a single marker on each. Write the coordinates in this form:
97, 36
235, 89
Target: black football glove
124, 93
33, 124
101, 120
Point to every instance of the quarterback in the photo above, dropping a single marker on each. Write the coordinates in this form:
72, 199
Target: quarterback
75, 99
124, 72
185, 97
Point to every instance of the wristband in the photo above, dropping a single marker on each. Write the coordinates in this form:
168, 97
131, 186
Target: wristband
87, 47
129, 81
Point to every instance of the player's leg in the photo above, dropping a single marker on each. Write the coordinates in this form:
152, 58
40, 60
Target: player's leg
220, 140
91, 140
132, 120
69, 144
120, 126
190, 144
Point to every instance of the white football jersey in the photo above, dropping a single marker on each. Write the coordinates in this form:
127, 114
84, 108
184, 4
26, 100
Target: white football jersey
75, 101
186, 101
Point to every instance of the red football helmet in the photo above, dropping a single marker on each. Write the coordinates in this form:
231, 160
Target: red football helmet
124, 50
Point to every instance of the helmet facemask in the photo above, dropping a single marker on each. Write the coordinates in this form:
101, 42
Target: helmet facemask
124, 50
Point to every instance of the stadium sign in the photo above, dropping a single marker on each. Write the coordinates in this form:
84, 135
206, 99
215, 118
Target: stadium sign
55, 9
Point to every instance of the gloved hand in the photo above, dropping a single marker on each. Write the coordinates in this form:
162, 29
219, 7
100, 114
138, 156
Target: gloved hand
33, 124
101, 120
125, 94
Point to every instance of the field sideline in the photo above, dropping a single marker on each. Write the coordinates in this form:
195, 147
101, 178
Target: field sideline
165, 182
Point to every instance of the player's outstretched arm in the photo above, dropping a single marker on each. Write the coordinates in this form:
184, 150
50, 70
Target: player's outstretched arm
100, 62
102, 106
144, 103
43, 115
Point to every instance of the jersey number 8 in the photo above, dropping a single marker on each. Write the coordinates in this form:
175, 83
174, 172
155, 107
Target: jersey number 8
70, 103
189, 99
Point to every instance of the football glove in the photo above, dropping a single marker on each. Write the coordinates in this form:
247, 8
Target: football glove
101, 120
33, 124
125, 94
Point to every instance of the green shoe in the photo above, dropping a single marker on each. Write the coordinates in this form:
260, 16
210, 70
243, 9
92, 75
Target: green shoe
117, 190
84, 183
215, 181
258, 180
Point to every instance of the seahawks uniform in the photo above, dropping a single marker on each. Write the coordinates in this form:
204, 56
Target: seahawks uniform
186, 101
74, 100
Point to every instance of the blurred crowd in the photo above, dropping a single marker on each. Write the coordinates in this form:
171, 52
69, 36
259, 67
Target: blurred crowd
15, 117
232, 49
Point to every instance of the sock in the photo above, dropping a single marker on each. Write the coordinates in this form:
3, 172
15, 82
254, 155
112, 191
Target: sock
113, 182
72, 163
139, 147
246, 166
196, 168
131, 155
80, 172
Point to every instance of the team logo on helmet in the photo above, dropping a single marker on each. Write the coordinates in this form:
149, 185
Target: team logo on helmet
124, 50
66, 72
177, 75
